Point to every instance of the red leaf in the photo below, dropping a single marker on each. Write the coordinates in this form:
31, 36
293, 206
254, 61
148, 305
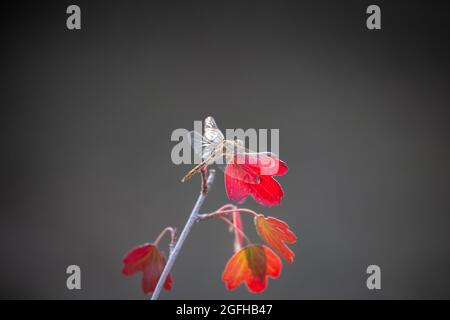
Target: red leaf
252, 265
151, 261
252, 174
276, 233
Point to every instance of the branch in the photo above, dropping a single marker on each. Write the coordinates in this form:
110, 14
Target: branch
203, 172
187, 228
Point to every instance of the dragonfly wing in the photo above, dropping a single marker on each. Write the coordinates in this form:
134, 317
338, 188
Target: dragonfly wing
202, 147
210, 123
211, 132
205, 145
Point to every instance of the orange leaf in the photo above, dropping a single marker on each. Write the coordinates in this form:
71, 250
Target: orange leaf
276, 233
252, 265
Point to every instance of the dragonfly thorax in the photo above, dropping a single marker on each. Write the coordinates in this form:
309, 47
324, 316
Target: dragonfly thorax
231, 147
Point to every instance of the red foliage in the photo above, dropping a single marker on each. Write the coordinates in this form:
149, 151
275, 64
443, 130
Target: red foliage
252, 174
151, 261
252, 265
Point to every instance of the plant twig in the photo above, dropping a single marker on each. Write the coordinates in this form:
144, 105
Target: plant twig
172, 235
187, 228
231, 224
203, 172
223, 213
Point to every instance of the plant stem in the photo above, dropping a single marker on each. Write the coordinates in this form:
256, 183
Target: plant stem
231, 224
221, 212
187, 228
172, 235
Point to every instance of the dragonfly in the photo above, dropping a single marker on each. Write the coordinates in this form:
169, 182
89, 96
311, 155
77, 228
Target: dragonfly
213, 148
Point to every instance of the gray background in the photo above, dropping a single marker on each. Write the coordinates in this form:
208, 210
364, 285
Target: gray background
86, 118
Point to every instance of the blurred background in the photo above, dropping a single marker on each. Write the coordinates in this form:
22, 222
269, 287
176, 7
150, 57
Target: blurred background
86, 118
